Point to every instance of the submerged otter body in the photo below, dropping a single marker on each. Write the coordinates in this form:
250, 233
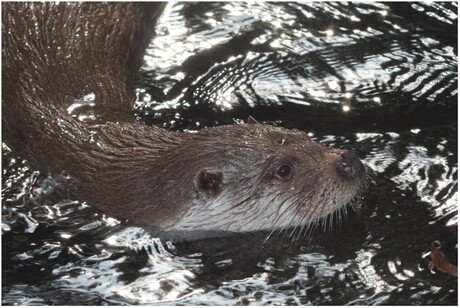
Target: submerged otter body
236, 178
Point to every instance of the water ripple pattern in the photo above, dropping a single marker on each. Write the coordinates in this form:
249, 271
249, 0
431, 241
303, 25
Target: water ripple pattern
377, 78
351, 55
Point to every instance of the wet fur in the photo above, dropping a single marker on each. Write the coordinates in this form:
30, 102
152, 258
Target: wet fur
218, 178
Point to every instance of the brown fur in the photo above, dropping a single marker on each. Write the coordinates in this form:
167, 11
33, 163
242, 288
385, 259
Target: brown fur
219, 178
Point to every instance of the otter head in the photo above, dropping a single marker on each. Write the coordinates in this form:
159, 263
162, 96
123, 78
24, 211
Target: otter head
259, 177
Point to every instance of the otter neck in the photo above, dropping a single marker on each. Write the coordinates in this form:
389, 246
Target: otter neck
54, 54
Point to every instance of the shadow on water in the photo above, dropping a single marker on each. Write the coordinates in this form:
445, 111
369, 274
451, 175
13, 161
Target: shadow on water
378, 78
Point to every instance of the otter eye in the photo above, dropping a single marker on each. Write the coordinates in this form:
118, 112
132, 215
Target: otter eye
284, 172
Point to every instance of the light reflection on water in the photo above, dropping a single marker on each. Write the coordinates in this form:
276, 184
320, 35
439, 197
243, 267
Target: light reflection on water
211, 59
162, 278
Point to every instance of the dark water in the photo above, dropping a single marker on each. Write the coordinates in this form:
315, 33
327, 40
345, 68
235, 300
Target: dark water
377, 78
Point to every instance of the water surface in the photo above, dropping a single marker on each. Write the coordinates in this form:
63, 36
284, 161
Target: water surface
377, 78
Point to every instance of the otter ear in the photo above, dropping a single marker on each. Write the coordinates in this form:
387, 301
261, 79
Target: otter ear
251, 120
208, 182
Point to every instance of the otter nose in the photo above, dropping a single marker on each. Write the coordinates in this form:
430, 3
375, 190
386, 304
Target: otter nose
349, 165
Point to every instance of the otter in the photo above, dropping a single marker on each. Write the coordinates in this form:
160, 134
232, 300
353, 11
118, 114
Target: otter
238, 178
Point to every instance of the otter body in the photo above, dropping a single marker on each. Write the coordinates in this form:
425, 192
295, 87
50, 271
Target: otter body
233, 178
